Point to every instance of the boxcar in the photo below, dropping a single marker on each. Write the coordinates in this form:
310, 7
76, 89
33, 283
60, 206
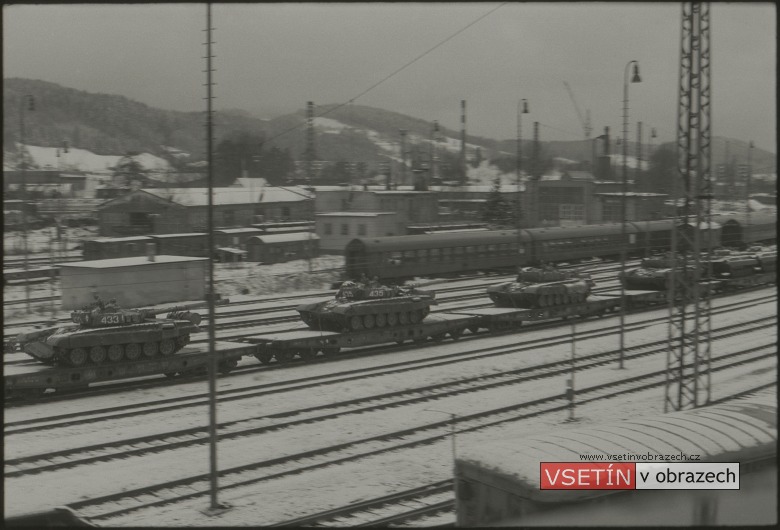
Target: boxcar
499, 483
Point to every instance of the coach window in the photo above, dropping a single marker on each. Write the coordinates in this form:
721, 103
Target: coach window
470, 250
422, 255
504, 249
328, 229
446, 253
409, 256
361, 229
344, 229
458, 252
491, 249
435, 254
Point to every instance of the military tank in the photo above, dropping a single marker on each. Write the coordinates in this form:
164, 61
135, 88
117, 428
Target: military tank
358, 306
536, 287
654, 274
106, 333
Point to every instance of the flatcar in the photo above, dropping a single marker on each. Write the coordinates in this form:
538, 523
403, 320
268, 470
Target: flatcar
498, 484
403, 257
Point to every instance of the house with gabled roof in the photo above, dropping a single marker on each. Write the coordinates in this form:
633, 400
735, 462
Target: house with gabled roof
177, 210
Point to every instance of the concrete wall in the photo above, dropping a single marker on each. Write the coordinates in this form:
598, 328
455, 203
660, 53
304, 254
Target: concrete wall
134, 282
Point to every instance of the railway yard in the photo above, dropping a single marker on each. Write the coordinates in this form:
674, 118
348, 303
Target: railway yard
364, 436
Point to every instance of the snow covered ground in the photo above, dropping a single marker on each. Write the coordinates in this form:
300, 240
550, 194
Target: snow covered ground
83, 160
277, 500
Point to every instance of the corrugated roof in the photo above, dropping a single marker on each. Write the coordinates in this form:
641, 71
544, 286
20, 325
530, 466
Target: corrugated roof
354, 214
199, 196
738, 430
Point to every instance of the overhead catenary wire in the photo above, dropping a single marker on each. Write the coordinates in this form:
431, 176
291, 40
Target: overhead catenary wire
395, 72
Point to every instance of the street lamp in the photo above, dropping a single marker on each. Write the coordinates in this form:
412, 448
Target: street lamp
634, 79
27, 103
522, 108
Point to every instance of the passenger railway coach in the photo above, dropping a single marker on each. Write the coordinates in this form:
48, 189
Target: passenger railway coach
402, 257
498, 484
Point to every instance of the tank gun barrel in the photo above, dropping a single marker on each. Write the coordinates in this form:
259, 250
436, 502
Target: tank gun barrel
184, 307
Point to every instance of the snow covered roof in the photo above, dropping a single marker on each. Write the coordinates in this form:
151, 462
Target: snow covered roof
717, 433
221, 196
284, 238
354, 214
134, 261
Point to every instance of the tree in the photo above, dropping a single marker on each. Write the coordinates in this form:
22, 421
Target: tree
496, 210
237, 153
661, 175
130, 172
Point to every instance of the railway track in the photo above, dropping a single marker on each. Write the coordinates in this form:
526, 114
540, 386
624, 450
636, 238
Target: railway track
253, 426
427, 500
234, 311
436, 500
109, 507
377, 350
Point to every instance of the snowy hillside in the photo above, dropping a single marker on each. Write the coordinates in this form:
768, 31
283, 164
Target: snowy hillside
82, 160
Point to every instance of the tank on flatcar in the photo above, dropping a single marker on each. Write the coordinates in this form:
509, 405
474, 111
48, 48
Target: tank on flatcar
654, 274
535, 287
104, 332
366, 305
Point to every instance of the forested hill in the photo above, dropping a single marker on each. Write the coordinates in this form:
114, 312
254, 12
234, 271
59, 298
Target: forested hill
115, 125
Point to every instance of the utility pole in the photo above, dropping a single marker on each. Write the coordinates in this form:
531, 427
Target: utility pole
463, 170
27, 103
403, 155
212, 366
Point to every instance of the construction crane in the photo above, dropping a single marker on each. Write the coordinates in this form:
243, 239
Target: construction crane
584, 122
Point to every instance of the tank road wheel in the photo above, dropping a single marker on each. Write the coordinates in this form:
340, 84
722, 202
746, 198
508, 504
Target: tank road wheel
307, 354
132, 351
150, 349
381, 320
356, 323
264, 357
115, 353
78, 356
225, 367
167, 346
415, 316
403, 318
455, 334
182, 341
392, 319
473, 329
369, 321
97, 354
285, 356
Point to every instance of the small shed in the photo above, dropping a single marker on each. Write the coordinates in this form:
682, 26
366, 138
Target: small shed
134, 282
278, 248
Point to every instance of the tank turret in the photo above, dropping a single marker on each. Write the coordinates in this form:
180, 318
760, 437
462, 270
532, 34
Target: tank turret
542, 287
107, 333
654, 274
366, 305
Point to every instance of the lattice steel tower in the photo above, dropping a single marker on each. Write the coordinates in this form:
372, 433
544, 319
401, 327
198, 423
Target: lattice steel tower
688, 355
310, 153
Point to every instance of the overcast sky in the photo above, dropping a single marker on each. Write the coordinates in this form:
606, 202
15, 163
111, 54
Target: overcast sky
272, 58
